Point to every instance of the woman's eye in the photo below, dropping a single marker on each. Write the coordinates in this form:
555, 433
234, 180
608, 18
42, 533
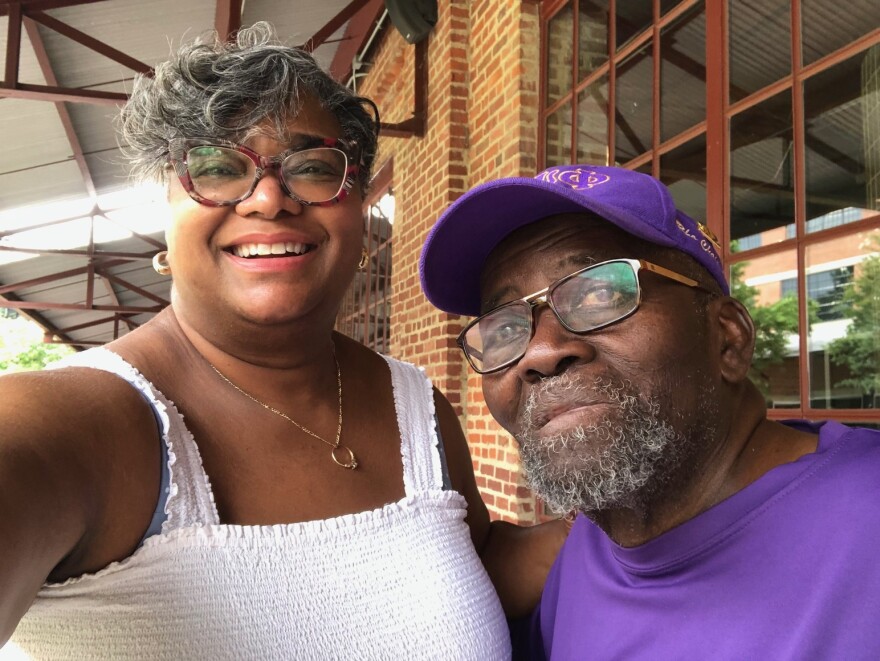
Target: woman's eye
216, 162
312, 169
218, 168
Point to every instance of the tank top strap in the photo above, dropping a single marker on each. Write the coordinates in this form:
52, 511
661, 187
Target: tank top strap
190, 500
414, 405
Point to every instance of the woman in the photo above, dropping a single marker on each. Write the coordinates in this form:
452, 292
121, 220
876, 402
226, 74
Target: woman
234, 479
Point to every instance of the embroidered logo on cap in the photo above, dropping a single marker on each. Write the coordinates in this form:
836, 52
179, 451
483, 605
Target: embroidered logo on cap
708, 243
578, 178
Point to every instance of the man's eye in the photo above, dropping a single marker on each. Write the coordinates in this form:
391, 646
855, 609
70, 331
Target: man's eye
506, 332
503, 330
601, 295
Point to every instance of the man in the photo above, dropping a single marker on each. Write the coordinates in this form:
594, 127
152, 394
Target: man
611, 350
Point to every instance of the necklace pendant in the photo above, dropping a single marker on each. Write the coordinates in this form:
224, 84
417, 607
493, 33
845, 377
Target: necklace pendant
340, 459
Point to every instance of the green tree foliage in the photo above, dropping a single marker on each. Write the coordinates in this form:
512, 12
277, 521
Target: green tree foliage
859, 349
21, 345
773, 324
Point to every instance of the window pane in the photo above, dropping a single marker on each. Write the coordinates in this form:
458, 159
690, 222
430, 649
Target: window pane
560, 43
683, 73
758, 27
842, 139
843, 288
683, 170
592, 126
828, 26
632, 18
633, 120
365, 313
763, 285
592, 35
666, 5
557, 150
762, 176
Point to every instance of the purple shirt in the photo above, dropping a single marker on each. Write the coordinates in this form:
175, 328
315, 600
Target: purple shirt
787, 568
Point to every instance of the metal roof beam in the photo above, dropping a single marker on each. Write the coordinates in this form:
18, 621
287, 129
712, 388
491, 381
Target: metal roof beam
36, 317
357, 33
49, 74
56, 94
115, 299
42, 5
44, 280
131, 287
143, 237
61, 275
90, 42
96, 322
333, 25
39, 305
13, 45
130, 256
227, 18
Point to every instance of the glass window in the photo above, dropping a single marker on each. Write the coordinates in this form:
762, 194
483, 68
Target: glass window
557, 149
683, 73
592, 126
592, 35
365, 313
828, 26
843, 278
762, 28
633, 115
842, 113
666, 5
683, 170
560, 44
633, 17
762, 171
763, 286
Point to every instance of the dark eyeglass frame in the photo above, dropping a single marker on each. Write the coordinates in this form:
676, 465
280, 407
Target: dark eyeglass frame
178, 149
545, 296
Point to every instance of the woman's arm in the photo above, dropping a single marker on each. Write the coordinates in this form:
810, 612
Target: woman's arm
68, 442
517, 558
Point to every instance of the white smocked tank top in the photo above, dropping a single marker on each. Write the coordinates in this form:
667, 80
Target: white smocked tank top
400, 582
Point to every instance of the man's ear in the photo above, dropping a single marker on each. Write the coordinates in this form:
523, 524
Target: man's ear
737, 339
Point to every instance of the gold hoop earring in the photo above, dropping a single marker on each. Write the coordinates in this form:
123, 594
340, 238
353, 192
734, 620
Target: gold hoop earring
365, 259
160, 263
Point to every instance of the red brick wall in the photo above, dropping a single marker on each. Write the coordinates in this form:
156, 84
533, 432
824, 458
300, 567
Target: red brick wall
483, 73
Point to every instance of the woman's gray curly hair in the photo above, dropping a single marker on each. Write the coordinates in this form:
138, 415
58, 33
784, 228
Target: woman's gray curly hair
224, 90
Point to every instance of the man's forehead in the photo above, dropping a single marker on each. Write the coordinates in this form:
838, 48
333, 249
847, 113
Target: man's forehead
559, 244
566, 238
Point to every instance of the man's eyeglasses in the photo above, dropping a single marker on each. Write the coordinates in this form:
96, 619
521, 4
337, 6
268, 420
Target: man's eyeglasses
583, 301
218, 173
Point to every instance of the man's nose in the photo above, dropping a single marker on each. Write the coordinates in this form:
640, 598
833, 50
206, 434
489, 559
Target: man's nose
552, 349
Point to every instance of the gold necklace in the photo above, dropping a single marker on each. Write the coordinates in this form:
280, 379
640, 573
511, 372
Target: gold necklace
343, 450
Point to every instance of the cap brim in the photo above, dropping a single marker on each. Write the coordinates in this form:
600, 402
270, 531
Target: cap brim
457, 246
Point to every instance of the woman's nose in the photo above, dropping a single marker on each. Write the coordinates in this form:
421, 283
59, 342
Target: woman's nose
269, 198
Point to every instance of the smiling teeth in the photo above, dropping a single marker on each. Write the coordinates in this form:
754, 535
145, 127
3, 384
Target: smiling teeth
254, 249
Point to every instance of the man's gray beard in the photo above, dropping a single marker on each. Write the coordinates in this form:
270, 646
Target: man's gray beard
600, 466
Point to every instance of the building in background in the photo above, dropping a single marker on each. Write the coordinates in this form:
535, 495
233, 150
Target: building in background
762, 116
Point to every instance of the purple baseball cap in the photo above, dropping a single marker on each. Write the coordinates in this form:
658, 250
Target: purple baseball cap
461, 240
